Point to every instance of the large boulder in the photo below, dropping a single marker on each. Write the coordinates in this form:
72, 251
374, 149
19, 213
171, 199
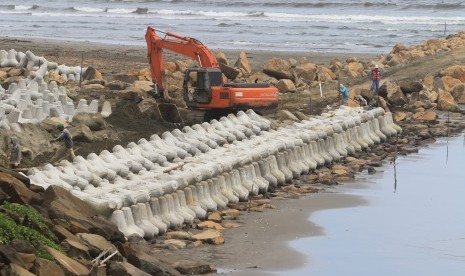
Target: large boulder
92, 74
449, 82
285, 85
354, 69
306, 71
151, 264
428, 82
454, 71
394, 94
61, 204
430, 95
71, 266
15, 270
55, 76
430, 116
43, 267
17, 190
51, 123
96, 243
117, 85
229, 71
261, 77
408, 87
458, 92
221, 58
125, 269
143, 86
243, 63
326, 74
446, 102
170, 66
81, 133
94, 121
278, 68
126, 78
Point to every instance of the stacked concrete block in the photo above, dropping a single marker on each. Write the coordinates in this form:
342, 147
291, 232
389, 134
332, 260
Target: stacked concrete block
34, 97
168, 180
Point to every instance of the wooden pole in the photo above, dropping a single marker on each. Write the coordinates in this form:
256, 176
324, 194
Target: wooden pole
82, 61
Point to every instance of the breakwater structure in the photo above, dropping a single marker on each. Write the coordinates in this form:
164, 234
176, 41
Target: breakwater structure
170, 179
33, 98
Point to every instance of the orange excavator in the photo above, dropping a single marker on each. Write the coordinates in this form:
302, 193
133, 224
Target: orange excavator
204, 86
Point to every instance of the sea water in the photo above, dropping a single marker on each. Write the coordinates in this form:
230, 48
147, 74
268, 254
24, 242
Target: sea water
414, 228
373, 26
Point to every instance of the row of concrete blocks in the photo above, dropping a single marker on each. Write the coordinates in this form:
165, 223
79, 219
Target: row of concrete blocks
149, 218
153, 156
35, 113
39, 66
255, 164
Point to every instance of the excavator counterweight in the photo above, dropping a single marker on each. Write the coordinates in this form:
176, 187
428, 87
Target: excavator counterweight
204, 87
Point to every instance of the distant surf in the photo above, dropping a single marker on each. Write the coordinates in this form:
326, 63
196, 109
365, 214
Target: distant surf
321, 25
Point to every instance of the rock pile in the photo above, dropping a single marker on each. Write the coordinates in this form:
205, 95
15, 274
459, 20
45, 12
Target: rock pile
167, 181
401, 54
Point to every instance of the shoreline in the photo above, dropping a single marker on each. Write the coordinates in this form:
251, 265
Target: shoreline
65, 51
262, 256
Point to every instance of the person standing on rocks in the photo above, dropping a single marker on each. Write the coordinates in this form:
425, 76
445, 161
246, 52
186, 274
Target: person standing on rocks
15, 153
63, 152
375, 76
345, 94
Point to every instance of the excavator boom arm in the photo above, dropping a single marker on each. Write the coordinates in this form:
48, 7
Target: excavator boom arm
186, 46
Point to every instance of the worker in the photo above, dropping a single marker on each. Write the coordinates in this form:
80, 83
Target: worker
15, 153
375, 76
63, 152
345, 94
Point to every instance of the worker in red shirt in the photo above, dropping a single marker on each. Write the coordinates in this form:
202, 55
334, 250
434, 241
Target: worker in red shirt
375, 76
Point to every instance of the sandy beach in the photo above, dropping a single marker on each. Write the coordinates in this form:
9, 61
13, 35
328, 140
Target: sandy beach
110, 58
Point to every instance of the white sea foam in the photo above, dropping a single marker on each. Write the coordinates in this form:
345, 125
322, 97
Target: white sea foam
121, 10
23, 7
89, 9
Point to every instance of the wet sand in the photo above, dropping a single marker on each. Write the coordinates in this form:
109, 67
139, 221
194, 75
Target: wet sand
261, 243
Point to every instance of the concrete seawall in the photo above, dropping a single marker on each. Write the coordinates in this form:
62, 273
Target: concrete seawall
168, 180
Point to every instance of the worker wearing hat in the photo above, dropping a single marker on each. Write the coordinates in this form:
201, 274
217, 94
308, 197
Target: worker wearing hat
67, 150
375, 76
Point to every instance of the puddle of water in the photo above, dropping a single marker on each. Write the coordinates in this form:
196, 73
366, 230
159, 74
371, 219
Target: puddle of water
417, 230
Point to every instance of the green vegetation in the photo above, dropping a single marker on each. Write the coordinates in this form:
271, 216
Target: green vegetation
31, 227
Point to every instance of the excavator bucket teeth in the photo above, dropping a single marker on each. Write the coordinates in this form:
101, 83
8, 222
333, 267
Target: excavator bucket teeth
170, 113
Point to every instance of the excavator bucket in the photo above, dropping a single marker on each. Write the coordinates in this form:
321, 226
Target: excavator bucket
170, 113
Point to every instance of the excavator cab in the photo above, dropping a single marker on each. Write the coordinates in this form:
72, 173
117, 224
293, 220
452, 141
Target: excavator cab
198, 84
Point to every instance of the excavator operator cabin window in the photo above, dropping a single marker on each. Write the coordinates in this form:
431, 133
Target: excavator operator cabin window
216, 78
203, 81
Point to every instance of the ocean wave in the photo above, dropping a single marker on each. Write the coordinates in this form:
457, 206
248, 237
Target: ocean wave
88, 9
228, 24
436, 6
7, 7
208, 13
121, 10
141, 10
25, 7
